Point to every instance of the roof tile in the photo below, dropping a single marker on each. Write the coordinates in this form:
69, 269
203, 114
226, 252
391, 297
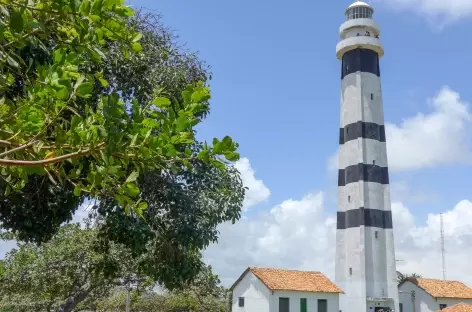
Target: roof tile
444, 289
460, 307
292, 280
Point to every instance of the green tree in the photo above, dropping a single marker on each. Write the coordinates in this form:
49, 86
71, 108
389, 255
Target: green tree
401, 278
57, 119
204, 294
66, 271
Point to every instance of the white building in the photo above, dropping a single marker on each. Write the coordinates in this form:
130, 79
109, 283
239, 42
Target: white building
365, 252
275, 290
431, 295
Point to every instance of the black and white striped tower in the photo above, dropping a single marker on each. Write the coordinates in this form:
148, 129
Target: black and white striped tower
365, 254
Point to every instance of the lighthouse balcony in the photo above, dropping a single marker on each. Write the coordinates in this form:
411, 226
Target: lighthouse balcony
360, 42
363, 23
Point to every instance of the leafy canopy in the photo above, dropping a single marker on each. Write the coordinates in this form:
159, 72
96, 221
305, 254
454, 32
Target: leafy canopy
65, 271
55, 120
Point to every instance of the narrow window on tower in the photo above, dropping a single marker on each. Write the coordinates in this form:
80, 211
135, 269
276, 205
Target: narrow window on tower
372, 96
350, 271
374, 162
376, 234
349, 199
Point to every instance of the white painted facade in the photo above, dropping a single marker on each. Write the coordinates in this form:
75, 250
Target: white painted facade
423, 301
258, 298
365, 255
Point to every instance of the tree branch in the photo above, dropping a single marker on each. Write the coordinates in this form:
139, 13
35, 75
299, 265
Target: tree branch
45, 162
19, 148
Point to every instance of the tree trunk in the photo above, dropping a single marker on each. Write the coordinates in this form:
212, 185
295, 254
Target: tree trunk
74, 300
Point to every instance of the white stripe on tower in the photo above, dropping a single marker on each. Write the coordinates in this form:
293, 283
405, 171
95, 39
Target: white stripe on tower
365, 257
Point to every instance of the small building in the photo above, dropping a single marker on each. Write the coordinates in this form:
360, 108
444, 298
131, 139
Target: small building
460, 307
431, 295
275, 290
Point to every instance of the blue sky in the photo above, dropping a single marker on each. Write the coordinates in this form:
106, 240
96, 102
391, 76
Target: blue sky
276, 83
276, 90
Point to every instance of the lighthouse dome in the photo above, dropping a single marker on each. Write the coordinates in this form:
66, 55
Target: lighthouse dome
359, 9
360, 4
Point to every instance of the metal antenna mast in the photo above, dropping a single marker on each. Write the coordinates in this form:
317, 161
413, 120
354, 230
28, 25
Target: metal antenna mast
443, 251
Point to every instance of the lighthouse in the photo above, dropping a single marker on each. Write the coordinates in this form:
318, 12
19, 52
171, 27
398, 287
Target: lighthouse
365, 254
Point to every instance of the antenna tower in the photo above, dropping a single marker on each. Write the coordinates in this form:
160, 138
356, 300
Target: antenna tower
443, 251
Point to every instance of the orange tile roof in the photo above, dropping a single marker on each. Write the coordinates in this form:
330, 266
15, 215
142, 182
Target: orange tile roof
444, 289
460, 307
292, 280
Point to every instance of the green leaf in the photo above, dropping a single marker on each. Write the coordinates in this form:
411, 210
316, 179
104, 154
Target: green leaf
131, 189
103, 82
59, 55
233, 156
218, 148
16, 21
142, 206
12, 62
161, 102
85, 89
77, 190
85, 7
132, 177
137, 37
136, 46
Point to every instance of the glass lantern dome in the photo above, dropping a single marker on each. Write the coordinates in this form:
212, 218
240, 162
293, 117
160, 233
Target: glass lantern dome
359, 9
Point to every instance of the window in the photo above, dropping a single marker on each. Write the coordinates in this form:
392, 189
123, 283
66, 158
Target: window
349, 199
303, 305
241, 302
372, 96
376, 234
322, 305
284, 305
442, 306
373, 162
350, 271
401, 307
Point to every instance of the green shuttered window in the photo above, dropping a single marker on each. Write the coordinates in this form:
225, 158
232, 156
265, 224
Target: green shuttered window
303, 305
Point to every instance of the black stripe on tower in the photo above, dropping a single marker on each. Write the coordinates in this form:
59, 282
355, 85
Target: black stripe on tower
360, 129
363, 172
366, 217
363, 60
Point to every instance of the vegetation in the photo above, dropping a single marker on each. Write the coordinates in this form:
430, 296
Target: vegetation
70, 115
99, 105
71, 270
401, 278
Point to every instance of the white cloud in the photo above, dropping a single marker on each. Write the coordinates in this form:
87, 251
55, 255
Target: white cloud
437, 138
426, 140
294, 234
298, 235
257, 192
438, 10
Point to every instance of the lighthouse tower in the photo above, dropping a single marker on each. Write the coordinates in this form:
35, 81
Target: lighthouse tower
365, 255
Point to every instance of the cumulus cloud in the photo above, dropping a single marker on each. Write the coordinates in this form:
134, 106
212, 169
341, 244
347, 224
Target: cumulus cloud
425, 140
437, 138
297, 234
294, 234
439, 10
257, 192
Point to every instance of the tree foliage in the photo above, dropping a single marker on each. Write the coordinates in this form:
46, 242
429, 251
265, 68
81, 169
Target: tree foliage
401, 278
54, 122
65, 271
205, 294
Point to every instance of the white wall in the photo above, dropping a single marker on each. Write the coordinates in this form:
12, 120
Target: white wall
312, 301
256, 295
424, 302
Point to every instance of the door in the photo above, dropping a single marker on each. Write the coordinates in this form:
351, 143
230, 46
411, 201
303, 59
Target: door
284, 305
322, 305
